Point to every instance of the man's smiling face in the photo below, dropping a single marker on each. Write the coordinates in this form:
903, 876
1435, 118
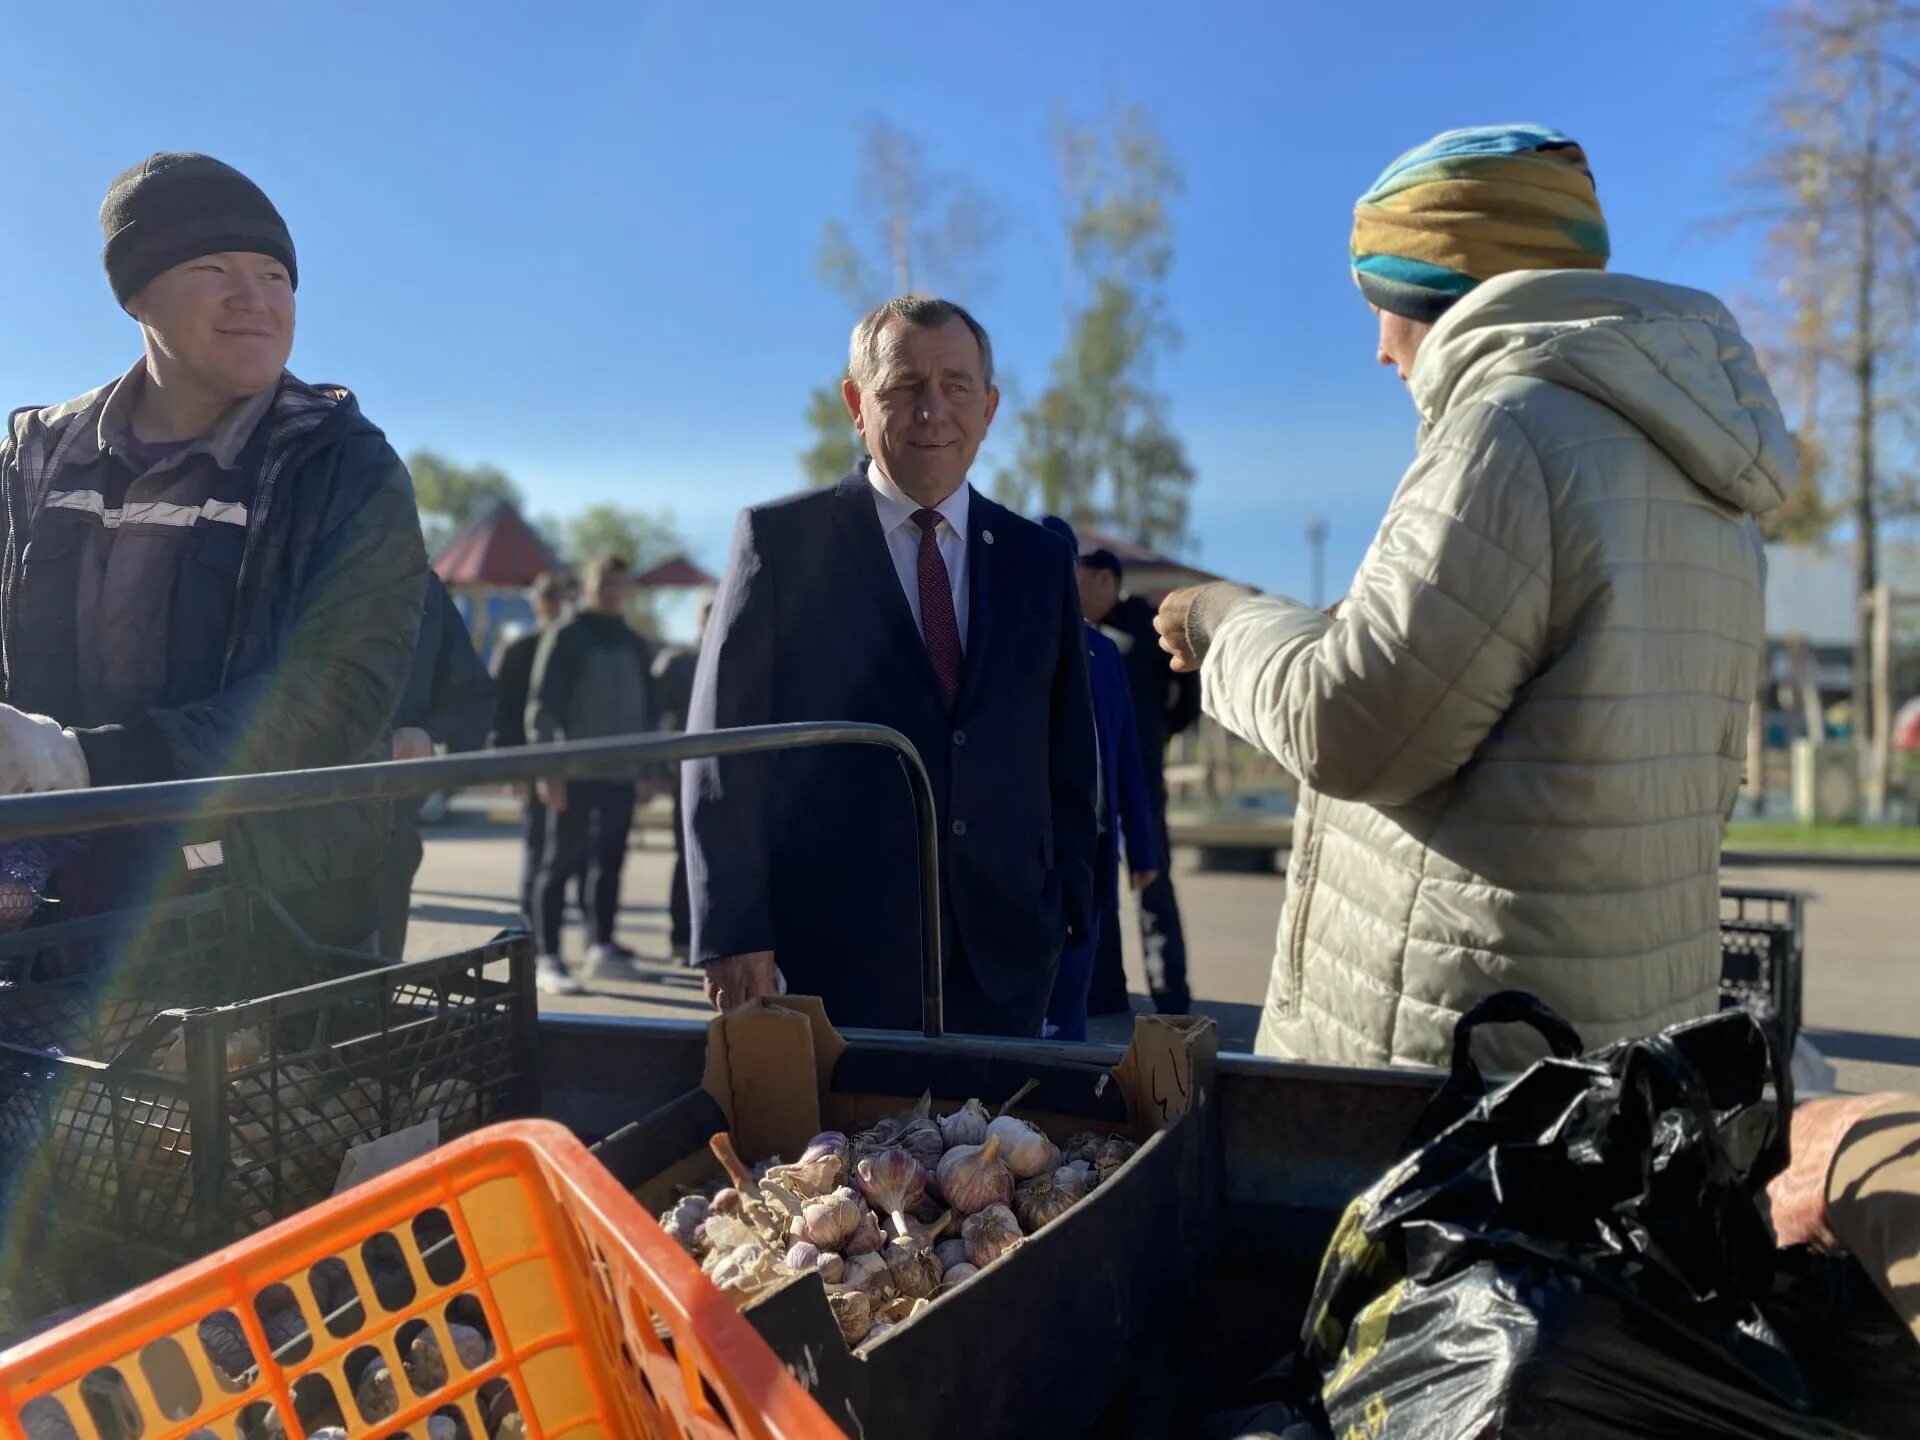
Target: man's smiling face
927, 409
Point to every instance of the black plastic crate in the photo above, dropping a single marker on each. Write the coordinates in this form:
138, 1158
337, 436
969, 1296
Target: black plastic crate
1762, 955
183, 1075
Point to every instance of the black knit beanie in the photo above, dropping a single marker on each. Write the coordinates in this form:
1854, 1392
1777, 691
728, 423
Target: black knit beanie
177, 206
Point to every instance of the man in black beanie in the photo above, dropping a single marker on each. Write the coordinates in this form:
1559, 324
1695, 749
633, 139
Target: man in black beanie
207, 566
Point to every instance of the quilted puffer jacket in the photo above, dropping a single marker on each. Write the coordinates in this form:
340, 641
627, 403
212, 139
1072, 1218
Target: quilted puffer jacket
1520, 740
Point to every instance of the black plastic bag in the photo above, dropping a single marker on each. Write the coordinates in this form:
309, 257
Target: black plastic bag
1583, 1252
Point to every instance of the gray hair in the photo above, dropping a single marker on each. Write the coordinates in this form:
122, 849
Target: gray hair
863, 351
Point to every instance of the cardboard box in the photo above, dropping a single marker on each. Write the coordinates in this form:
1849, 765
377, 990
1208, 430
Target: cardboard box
1052, 1337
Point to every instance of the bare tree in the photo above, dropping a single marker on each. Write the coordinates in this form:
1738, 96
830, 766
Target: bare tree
1839, 191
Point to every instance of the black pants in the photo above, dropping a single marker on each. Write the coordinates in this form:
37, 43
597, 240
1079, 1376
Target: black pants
592, 830
533, 835
1163, 943
679, 897
968, 1011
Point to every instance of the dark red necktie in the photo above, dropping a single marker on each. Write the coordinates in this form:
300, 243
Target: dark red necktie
938, 625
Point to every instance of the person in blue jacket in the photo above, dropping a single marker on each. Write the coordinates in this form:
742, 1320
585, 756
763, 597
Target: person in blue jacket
1123, 810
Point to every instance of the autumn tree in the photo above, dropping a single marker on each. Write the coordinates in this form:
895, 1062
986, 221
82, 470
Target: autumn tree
449, 494
1096, 445
1837, 189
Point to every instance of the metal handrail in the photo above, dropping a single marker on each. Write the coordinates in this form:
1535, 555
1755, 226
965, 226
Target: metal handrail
118, 807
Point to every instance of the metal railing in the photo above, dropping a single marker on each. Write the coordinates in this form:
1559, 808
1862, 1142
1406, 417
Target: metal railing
75, 812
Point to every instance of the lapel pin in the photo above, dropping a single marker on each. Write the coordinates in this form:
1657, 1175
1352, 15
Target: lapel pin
987, 535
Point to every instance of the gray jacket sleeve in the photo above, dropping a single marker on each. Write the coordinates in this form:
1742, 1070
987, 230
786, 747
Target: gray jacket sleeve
1447, 619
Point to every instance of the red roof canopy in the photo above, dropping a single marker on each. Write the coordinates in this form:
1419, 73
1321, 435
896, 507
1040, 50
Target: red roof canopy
679, 573
495, 548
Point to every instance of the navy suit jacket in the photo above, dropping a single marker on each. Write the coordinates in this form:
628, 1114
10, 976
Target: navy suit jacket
811, 854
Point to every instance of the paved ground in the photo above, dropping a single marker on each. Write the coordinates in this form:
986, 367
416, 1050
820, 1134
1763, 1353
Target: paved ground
1862, 983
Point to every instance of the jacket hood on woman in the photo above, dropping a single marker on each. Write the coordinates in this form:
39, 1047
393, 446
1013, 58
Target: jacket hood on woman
1518, 743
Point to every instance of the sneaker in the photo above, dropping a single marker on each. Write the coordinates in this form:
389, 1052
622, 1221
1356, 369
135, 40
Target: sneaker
611, 962
551, 977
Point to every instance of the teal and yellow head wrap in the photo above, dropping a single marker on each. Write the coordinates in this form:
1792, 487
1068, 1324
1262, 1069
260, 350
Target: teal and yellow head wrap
1472, 204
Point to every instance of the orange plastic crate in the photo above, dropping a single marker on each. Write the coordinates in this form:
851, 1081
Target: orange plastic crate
602, 1326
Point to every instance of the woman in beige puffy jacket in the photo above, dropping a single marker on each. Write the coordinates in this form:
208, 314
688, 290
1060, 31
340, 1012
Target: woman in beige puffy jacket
1518, 742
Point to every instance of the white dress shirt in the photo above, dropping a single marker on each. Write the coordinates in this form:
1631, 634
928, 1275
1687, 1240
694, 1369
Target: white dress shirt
897, 510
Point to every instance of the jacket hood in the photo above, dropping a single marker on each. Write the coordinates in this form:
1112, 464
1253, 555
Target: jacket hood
1670, 360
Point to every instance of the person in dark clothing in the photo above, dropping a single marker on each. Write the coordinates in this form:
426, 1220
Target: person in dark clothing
513, 675
591, 681
673, 674
1123, 812
208, 567
1164, 704
448, 702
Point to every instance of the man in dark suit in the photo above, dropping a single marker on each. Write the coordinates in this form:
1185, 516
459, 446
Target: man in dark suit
899, 596
514, 676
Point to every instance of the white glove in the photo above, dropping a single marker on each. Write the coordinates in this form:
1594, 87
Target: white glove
37, 754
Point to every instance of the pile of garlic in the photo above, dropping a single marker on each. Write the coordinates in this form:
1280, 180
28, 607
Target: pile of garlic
894, 1217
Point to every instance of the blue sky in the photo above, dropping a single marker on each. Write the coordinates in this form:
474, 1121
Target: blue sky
578, 240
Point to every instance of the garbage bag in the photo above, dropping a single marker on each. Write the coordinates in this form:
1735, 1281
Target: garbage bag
1581, 1252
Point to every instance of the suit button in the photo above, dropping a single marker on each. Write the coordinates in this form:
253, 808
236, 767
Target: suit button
959, 827
960, 737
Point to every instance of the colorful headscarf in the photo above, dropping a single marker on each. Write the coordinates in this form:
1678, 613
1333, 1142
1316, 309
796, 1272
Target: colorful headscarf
1472, 204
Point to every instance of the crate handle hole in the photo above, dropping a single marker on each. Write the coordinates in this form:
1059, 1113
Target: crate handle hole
370, 1379
497, 1402
336, 1297
46, 1419
386, 1264
439, 1247
316, 1406
228, 1354
285, 1323
170, 1377
471, 1335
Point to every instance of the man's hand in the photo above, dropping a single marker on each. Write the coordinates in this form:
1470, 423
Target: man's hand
1171, 622
1144, 878
552, 793
36, 753
1798, 1194
410, 742
739, 978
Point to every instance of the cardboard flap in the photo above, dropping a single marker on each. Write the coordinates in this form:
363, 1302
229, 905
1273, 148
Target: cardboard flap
768, 1063
1157, 1073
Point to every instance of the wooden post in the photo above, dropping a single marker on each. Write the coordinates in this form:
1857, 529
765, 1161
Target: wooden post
1880, 735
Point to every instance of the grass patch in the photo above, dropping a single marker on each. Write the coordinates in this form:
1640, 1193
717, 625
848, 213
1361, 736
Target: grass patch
1839, 839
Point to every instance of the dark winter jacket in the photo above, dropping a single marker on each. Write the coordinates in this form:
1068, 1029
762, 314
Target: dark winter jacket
1164, 703
326, 589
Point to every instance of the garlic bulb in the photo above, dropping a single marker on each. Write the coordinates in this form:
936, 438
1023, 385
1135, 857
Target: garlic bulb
954, 1274
1027, 1152
990, 1234
914, 1269
726, 1201
804, 1256
1046, 1197
973, 1177
831, 1221
854, 1312
1083, 1146
1112, 1154
966, 1126
742, 1273
819, 1171
684, 1220
891, 1180
880, 1329
929, 1231
950, 1253
866, 1238
832, 1267
869, 1273
921, 1139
